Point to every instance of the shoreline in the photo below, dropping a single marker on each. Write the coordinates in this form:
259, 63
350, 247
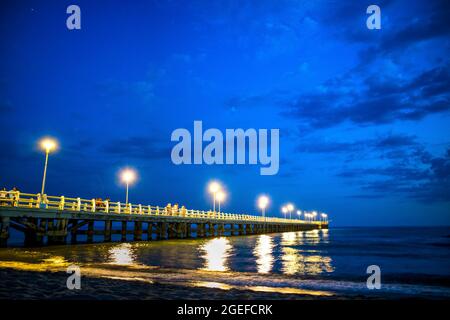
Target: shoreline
51, 285
36, 285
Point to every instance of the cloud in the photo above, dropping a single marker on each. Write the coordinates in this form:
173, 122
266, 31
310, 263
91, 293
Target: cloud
330, 147
255, 100
373, 99
137, 147
182, 57
393, 141
392, 164
140, 89
430, 26
419, 175
382, 87
398, 34
381, 143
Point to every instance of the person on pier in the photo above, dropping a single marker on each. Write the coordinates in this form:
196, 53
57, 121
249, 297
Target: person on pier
3, 196
169, 209
13, 196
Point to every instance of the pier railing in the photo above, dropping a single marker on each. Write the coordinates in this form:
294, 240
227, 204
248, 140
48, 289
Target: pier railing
62, 203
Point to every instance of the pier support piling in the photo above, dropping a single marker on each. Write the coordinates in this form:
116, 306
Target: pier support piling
149, 231
241, 229
124, 231
108, 227
31, 232
138, 231
220, 229
90, 232
73, 231
188, 230
4, 231
162, 231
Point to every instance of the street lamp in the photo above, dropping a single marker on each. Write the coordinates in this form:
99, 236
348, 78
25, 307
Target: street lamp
299, 212
220, 197
314, 214
284, 210
128, 176
290, 207
263, 201
213, 188
324, 217
48, 145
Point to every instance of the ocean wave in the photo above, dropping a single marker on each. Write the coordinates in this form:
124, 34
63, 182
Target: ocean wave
251, 281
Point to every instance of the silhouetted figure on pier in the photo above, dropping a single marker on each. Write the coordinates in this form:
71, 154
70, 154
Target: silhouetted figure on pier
3, 196
99, 203
13, 195
169, 209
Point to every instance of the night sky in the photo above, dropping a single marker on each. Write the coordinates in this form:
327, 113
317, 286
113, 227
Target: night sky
363, 114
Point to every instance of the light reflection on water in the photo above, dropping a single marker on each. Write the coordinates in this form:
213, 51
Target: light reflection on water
187, 260
290, 253
288, 238
325, 235
54, 263
280, 262
295, 260
263, 253
215, 253
121, 254
289, 250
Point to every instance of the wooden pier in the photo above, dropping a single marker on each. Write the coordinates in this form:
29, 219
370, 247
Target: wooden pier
59, 220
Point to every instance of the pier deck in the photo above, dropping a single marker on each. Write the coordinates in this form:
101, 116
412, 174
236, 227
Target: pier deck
57, 219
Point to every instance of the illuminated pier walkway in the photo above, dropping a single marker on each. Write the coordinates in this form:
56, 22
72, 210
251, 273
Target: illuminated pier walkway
56, 219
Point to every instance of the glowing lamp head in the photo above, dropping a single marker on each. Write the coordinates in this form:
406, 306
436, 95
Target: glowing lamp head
48, 144
220, 196
263, 201
284, 209
290, 207
214, 187
128, 176
324, 215
314, 213
299, 212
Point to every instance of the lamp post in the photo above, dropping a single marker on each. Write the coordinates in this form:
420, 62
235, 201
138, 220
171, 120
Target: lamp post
263, 201
48, 145
220, 197
299, 212
213, 188
314, 215
284, 210
128, 176
290, 208
324, 217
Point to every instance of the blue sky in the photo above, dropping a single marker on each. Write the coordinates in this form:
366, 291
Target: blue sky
363, 114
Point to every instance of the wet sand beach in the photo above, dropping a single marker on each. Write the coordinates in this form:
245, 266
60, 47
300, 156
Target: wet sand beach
29, 285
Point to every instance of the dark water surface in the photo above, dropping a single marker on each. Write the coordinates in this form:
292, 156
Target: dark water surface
413, 261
